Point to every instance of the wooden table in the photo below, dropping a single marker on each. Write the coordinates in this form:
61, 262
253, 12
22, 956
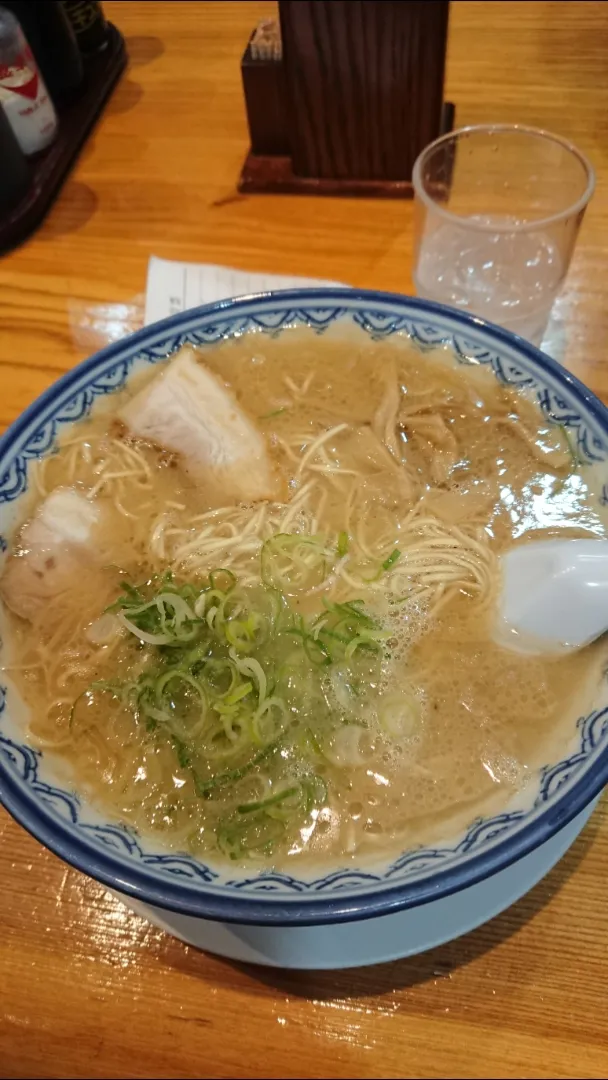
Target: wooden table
86, 988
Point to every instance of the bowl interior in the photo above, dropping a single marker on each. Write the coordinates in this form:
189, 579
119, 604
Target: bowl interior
36, 790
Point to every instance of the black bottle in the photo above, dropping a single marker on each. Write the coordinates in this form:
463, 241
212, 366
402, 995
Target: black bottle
88, 23
14, 171
53, 43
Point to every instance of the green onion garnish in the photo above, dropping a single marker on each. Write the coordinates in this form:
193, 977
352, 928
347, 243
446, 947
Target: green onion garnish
572, 448
275, 412
342, 544
235, 682
392, 559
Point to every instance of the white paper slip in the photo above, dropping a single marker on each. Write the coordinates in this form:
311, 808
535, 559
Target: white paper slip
177, 286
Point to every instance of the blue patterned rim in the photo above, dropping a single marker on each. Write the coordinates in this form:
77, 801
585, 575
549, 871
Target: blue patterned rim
115, 855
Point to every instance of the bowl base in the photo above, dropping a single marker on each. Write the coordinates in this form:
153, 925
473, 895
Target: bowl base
369, 941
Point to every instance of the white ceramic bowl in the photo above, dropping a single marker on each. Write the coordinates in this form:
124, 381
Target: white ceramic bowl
424, 896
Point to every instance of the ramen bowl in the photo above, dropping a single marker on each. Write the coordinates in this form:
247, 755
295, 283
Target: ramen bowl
353, 912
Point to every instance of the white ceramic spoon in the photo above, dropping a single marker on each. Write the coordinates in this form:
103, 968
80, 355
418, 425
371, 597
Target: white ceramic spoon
554, 595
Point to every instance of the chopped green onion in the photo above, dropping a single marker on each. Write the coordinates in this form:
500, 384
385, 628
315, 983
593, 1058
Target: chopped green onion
572, 447
311, 739
237, 695
342, 544
233, 672
132, 592
222, 580
274, 412
257, 834
392, 559
183, 754
293, 563
575, 460
272, 800
367, 639
203, 787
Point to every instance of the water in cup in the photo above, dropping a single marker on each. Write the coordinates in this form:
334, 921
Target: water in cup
497, 211
507, 277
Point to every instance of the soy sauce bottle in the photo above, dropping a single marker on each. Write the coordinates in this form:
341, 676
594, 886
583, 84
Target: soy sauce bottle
53, 43
24, 98
14, 171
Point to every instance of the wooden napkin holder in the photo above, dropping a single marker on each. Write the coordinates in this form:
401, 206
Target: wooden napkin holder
342, 95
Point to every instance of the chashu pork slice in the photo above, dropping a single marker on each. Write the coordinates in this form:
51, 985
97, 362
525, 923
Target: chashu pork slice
187, 409
54, 550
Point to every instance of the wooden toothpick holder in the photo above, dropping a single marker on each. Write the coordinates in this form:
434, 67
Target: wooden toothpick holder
342, 95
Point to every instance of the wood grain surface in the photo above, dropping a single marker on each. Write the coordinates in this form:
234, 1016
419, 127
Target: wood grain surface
364, 84
86, 988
